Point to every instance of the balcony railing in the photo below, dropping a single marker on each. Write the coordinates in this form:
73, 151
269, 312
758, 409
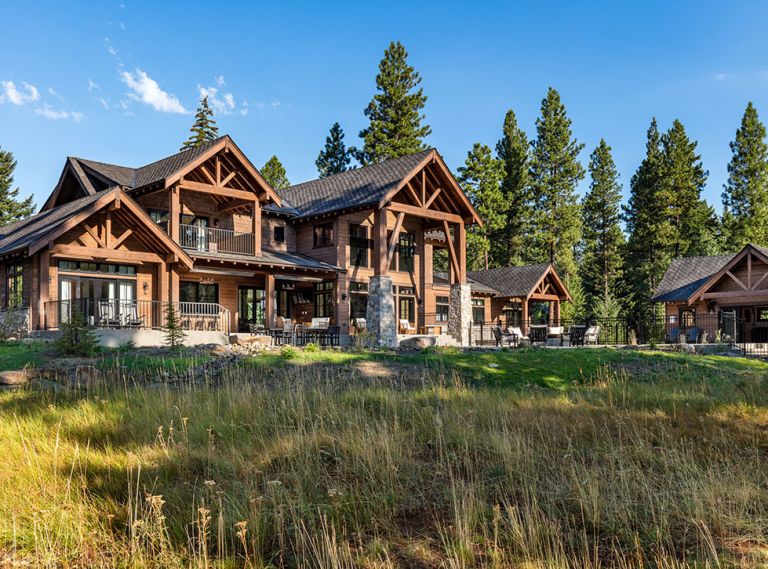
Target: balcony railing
204, 239
137, 314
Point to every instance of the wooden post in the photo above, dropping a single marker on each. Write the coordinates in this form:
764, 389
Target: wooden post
43, 297
460, 240
556, 312
256, 221
524, 323
163, 288
270, 316
380, 242
174, 211
173, 294
108, 230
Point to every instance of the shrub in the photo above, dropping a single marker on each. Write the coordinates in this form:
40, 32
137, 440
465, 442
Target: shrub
363, 340
312, 347
174, 335
75, 338
288, 352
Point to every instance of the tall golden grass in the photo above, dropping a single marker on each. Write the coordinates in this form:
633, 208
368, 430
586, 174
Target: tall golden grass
321, 467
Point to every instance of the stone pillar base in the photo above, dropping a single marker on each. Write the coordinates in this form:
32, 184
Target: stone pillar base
380, 319
460, 313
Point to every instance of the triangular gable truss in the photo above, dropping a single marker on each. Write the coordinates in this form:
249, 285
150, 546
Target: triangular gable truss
549, 287
72, 170
748, 253
225, 171
431, 191
115, 206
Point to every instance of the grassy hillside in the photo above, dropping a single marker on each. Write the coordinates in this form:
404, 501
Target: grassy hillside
580, 458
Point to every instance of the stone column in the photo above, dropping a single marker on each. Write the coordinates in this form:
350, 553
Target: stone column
381, 311
460, 313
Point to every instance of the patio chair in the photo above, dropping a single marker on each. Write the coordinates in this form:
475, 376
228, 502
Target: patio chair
359, 324
692, 335
406, 327
130, 315
106, 316
518, 334
592, 335
673, 336
577, 334
502, 338
555, 332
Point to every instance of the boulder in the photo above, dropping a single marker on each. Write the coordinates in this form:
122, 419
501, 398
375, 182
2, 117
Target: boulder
686, 348
219, 349
416, 343
258, 340
16, 377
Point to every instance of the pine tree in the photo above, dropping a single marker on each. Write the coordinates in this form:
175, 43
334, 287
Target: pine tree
11, 208
274, 173
508, 243
693, 221
204, 129
603, 241
395, 127
647, 254
554, 173
335, 157
75, 337
745, 199
174, 334
481, 178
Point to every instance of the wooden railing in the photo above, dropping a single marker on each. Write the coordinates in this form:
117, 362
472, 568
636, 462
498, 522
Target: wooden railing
137, 314
204, 239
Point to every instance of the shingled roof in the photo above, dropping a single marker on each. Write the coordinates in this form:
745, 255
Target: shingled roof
354, 188
511, 281
685, 275
271, 257
443, 278
21, 234
132, 178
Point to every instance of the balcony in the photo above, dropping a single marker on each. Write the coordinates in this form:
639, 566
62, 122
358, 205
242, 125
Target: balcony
207, 240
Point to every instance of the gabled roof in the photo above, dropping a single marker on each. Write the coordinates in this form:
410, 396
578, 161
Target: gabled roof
443, 278
364, 186
686, 275
19, 235
271, 257
512, 281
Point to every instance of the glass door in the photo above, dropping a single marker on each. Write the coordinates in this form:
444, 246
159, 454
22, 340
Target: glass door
251, 309
195, 232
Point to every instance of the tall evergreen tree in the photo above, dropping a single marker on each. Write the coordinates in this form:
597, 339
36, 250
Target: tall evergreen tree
11, 207
508, 242
335, 157
395, 112
274, 173
693, 221
745, 199
204, 129
603, 241
481, 178
554, 173
647, 254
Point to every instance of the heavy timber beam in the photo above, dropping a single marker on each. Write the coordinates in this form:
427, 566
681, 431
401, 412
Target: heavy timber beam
456, 272
380, 266
425, 213
109, 254
393, 241
460, 235
217, 190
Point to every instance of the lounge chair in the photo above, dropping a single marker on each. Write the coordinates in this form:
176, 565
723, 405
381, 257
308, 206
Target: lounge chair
406, 327
518, 334
577, 334
692, 335
502, 338
129, 313
555, 332
359, 324
592, 335
106, 314
674, 336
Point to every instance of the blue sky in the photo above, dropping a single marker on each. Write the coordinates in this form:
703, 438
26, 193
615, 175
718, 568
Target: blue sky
116, 80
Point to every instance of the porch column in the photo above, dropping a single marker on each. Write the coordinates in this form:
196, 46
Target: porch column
43, 275
163, 287
524, 323
381, 302
556, 312
256, 222
174, 209
270, 315
460, 313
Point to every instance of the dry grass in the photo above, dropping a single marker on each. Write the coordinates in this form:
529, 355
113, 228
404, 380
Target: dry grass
312, 466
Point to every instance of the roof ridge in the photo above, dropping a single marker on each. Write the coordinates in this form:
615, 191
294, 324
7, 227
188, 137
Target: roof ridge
180, 152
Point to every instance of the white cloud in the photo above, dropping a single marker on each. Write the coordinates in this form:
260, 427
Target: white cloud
53, 93
19, 97
58, 114
220, 80
275, 103
93, 86
223, 104
145, 89
720, 76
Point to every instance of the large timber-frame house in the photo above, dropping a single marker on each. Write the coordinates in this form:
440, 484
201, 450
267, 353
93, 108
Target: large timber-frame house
202, 229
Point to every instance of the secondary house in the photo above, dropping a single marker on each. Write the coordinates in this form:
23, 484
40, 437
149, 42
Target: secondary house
203, 230
724, 295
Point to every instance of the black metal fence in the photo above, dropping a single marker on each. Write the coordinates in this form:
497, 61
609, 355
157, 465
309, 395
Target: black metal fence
299, 336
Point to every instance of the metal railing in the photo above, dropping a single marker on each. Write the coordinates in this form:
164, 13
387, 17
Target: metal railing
137, 314
702, 329
204, 239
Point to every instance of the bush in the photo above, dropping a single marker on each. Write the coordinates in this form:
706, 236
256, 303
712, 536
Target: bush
75, 338
288, 352
363, 340
312, 347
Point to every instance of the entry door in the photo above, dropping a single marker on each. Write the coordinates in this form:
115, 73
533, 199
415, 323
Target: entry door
251, 307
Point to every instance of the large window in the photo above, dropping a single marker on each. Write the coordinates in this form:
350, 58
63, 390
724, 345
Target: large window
324, 299
403, 259
478, 310
198, 292
358, 300
358, 246
14, 285
442, 307
90, 267
687, 317
159, 216
406, 304
323, 235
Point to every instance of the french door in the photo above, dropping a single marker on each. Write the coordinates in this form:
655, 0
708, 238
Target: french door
251, 309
